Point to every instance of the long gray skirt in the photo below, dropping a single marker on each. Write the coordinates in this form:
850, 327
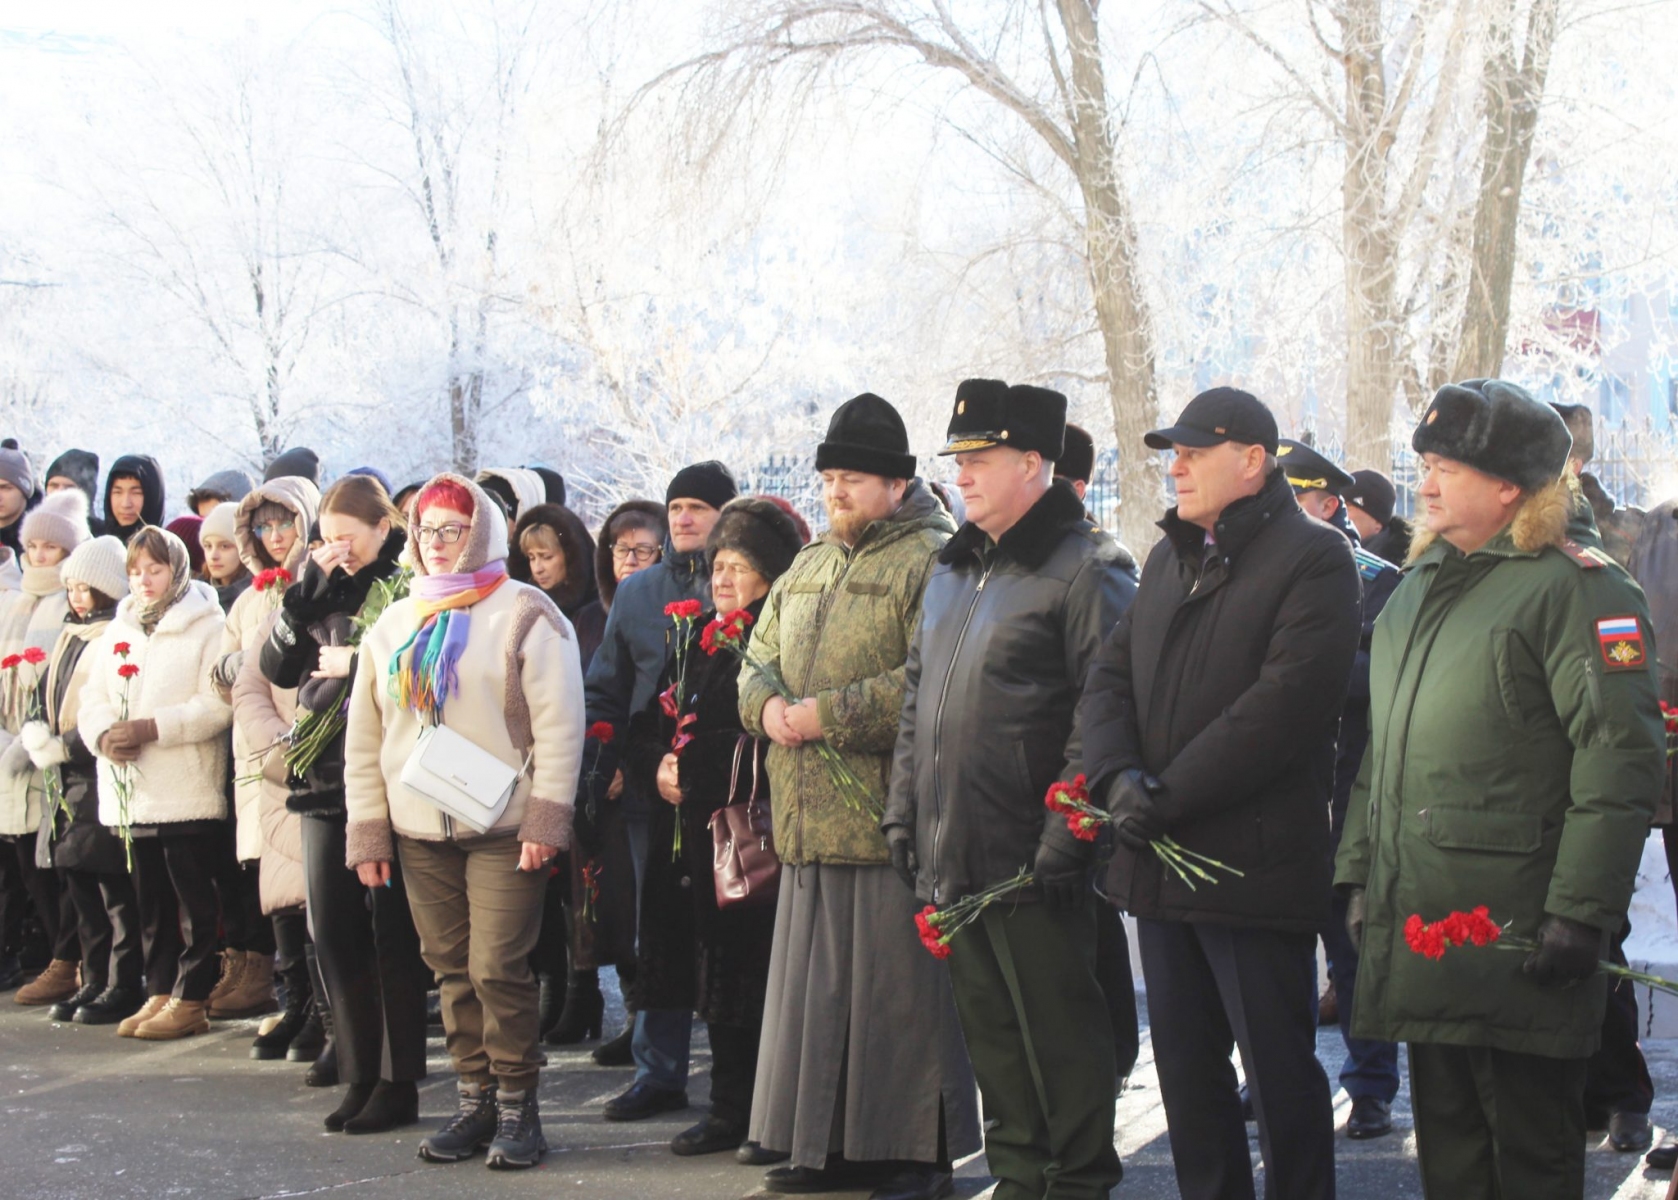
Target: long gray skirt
861, 1042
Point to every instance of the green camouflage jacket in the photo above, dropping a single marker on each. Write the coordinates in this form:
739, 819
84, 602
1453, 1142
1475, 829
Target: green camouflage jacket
837, 626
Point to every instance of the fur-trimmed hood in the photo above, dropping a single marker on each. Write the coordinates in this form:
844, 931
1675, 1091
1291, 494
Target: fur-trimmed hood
1540, 520
486, 541
291, 492
604, 574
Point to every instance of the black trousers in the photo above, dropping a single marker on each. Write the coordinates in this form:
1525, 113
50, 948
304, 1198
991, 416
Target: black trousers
175, 885
733, 1070
243, 926
1617, 1075
1497, 1125
1112, 972
1212, 988
369, 960
52, 908
108, 927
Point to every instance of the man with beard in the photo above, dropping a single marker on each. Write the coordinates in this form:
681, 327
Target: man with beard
862, 1078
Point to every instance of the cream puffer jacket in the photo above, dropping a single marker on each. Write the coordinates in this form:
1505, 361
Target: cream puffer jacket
520, 691
180, 776
261, 712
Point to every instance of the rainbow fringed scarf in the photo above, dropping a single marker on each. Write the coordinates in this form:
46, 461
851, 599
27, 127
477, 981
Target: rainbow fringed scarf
422, 672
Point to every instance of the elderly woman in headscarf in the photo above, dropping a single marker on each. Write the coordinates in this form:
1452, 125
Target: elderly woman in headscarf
158, 727
490, 667
692, 954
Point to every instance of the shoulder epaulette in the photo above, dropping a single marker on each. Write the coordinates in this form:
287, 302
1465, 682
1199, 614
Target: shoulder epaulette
1370, 565
1588, 557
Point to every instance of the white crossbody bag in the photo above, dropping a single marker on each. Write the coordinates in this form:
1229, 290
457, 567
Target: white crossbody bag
461, 778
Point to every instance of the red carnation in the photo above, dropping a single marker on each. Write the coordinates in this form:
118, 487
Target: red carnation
34, 656
1065, 797
121, 648
602, 732
10, 662
128, 670
683, 610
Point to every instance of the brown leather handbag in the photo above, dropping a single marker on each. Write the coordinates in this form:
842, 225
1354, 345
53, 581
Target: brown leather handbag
744, 863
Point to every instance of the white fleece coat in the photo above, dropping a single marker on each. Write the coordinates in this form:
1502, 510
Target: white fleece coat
180, 776
30, 618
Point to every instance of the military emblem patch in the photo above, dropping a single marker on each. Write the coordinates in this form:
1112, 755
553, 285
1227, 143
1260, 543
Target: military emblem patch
1621, 642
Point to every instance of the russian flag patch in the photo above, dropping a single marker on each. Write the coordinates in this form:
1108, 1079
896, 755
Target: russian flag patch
1621, 641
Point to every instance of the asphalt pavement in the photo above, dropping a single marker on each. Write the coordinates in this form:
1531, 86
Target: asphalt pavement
88, 1114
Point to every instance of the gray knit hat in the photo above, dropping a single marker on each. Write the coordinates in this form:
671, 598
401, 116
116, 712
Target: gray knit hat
16, 469
60, 519
221, 522
102, 564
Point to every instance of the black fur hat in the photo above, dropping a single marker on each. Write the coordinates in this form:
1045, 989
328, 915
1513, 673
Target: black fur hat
761, 531
1495, 426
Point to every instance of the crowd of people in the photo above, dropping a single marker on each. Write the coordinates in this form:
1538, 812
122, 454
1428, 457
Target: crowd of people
308, 755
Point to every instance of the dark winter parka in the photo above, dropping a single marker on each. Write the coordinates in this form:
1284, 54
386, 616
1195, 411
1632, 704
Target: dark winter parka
144, 468
1007, 633
74, 839
312, 616
693, 955
578, 595
1515, 757
630, 658
1225, 680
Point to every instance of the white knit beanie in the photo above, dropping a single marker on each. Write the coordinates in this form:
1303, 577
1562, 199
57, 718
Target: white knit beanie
60, 519
102, 564
220, 522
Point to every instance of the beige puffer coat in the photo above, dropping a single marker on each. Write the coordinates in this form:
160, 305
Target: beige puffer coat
262, 713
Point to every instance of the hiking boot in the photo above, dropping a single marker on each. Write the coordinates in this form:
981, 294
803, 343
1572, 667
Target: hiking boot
179, 1019
232, 966
472, 1127
251, 990
518, 1133
57, 982
146, 1011
65, 1009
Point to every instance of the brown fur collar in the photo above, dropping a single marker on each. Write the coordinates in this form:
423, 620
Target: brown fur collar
1539, 521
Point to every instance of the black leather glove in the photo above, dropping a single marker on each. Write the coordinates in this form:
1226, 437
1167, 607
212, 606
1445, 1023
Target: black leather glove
1062, 875
1568, 952
317, 594
1355, 911
901, 843
1132, 801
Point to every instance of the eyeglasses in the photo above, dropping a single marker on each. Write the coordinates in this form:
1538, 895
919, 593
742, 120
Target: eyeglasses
730, 571
268, 528
641, 554
447, 534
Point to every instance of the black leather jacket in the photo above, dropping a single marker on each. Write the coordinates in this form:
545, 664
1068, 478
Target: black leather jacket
1007, 633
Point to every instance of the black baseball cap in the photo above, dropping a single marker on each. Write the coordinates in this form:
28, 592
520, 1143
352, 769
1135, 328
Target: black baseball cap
1222, 414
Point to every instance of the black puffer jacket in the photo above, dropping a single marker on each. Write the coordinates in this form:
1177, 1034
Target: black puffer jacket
991, 691
1226, 680
318, 613
71, 836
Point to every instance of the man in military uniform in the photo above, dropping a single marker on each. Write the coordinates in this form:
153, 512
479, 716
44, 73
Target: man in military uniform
1370, 1072
1516, 753
1014, 612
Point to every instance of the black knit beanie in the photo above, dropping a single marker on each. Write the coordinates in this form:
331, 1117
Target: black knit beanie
867, 434
760, 530
708, 481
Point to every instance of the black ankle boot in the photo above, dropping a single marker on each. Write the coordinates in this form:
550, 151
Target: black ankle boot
391, 1106
617, 1053
584, 1009
354, 1101
277, 1040
310, 1039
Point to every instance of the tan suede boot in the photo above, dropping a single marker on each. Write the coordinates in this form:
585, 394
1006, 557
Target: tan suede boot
179, 1019
57, 982
148, 1010
254, 993
232, 967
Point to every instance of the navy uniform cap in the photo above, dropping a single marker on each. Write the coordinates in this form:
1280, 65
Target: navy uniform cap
1308, 471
